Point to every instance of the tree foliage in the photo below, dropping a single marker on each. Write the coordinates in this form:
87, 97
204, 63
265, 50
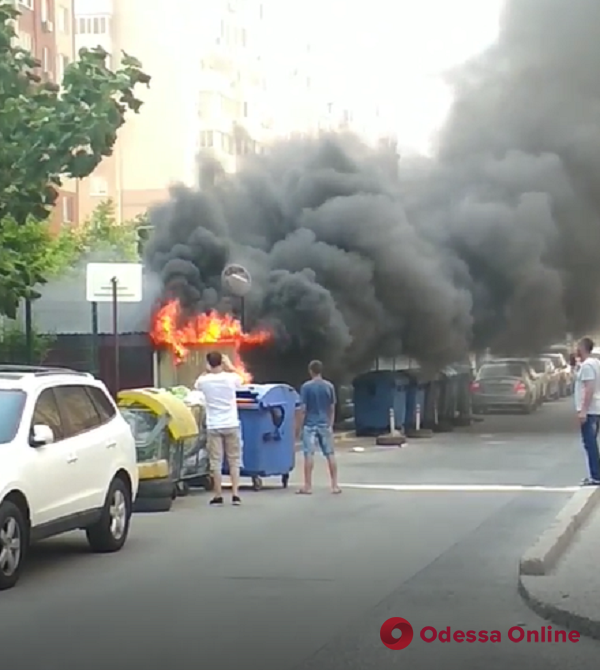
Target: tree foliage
52, 132
14, 347
101, 238
31, 254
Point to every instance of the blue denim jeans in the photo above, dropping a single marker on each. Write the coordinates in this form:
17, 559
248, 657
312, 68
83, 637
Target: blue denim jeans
589, 437
317, 435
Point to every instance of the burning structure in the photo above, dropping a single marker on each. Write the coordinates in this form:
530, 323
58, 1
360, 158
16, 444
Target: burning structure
187, 339
492, 242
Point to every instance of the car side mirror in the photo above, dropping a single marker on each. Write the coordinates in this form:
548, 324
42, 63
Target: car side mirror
41, 435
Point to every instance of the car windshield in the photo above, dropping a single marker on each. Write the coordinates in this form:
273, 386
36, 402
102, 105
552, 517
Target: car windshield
12, 402
558, 360
539, 365
501, 370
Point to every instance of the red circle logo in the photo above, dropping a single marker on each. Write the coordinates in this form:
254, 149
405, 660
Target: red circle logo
406, 633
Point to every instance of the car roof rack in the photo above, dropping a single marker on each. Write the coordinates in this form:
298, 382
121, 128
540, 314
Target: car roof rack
39, 370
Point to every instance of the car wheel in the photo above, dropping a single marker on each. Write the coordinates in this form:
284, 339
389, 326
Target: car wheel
13, 544
111, 531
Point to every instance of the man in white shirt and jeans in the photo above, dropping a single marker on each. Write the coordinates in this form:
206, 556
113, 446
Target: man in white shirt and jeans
219, 384
587, 405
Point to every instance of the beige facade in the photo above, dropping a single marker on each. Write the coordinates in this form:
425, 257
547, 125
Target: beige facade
204, 94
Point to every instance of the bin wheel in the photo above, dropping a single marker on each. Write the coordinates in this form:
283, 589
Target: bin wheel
285, 480
208, 483
183, 489
257, 483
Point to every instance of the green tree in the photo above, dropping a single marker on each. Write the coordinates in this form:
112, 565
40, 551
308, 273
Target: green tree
103, 237
50, 133
14, 347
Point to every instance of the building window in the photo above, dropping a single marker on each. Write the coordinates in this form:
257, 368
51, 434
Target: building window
68, 213
25, 41
243, 37
63, 18
245, 110
45, 59
45, 11
93, 25
207, 139
61, 65
98, 186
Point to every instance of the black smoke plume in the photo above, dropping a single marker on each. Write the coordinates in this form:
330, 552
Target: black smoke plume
494, 242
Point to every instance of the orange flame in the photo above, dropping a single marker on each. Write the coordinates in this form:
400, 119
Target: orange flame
211, 328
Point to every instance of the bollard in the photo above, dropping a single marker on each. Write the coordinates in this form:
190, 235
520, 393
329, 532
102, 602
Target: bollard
418, 417
393, 438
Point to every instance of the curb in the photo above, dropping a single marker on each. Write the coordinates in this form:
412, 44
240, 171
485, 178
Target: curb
557, 615
544, 554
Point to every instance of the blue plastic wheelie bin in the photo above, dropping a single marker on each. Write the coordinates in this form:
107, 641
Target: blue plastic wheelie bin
375, 393
268, 430
449, 392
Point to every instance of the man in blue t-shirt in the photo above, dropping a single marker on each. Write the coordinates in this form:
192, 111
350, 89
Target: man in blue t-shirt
318, 412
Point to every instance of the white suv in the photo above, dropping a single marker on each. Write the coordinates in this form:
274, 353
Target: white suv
67, 461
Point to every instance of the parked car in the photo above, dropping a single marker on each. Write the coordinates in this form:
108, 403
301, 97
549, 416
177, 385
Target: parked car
505, 384
565, 373
544, 367
67, 462
563, 349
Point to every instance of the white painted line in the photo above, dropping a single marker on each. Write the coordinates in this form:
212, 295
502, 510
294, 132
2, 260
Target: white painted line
460, 488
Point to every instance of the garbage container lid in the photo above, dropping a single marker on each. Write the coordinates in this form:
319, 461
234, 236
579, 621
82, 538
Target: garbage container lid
182, 423
268, 395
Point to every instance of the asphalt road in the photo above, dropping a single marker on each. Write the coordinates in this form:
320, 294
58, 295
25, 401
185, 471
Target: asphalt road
431, 533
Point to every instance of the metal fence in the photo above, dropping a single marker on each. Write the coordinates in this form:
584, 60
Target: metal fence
86, 353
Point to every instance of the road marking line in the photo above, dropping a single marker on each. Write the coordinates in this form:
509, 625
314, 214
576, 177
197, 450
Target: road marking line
460, 488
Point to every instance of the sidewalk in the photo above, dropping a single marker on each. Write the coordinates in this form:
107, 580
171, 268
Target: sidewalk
570, 594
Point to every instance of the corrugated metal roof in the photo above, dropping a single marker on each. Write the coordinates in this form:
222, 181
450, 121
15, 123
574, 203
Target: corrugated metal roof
64, 310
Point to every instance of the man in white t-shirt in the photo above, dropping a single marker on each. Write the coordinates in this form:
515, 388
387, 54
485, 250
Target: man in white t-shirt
587, 405
219, 384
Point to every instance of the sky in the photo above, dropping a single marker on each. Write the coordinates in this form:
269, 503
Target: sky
391, 54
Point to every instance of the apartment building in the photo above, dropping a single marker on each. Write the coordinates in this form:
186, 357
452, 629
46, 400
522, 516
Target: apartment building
232, 111
205, 95
93, 28
45, 27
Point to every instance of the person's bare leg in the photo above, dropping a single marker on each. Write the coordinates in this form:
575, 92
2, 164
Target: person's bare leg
235, 481
309, 465
333, 473
217, 483
214, 450
233, 449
